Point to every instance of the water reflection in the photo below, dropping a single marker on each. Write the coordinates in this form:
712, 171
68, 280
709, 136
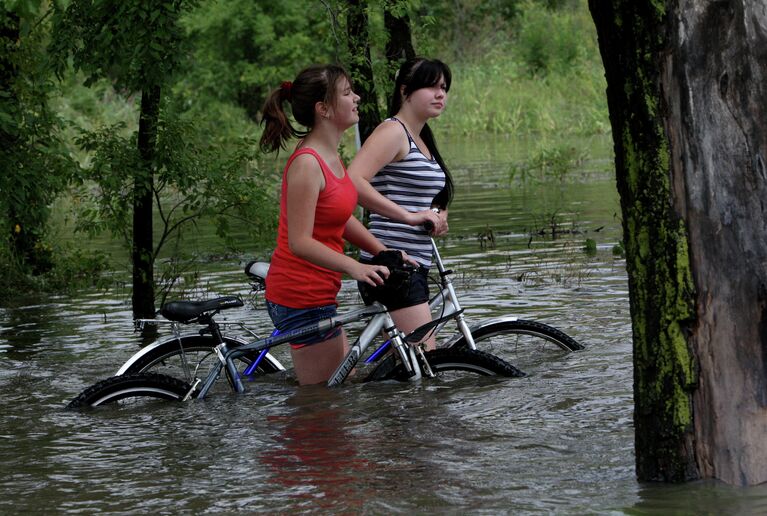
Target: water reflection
702, 497
316, 460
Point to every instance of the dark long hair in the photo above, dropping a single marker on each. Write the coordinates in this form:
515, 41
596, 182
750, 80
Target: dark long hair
317, 83
413, 75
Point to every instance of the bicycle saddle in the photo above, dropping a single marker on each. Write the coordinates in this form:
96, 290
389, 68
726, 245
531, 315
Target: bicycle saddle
257, 270
188, 311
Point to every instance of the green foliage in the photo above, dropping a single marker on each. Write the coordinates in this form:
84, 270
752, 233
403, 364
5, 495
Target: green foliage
71, 269
133, 43
196, 178
35, 168
499, 92
243, 49
550, 40
463, 30
547, 163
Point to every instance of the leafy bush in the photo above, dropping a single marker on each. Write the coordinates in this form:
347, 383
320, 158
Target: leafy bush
552, 39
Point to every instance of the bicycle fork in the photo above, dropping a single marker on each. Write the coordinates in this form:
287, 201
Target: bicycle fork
412, 355
398, 342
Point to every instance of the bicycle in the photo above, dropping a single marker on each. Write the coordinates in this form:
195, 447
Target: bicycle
413, 362
527, 344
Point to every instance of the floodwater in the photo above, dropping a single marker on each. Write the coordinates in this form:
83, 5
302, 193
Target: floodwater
560, 441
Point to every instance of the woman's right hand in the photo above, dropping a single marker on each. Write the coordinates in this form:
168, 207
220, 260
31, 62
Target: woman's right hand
373, 275
424, 218
434, 222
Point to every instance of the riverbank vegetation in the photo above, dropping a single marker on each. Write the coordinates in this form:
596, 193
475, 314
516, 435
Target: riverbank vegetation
72, 103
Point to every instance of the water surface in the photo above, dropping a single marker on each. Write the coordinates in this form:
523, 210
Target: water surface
559, 442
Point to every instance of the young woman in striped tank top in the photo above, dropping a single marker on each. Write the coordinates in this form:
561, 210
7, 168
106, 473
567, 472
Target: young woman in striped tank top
402, 179
316, 214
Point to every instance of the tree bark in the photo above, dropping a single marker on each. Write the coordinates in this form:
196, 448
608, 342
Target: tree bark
686, 96
143, 188
399, 43
631, 41
715, 83
360, 67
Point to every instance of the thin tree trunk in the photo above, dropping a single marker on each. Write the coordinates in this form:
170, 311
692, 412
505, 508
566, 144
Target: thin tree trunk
361, 68
399, 42
143, 253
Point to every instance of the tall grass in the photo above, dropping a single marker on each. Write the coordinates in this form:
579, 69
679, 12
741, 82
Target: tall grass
547, 79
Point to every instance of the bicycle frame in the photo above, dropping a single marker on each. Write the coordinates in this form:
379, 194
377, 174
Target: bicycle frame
379, 318
230, 347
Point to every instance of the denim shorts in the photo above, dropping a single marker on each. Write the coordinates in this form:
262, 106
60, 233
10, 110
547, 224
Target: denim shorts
286, 319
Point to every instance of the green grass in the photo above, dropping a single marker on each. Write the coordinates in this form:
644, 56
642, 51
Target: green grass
547, 80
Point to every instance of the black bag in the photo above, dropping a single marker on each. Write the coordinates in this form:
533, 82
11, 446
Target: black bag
396, 286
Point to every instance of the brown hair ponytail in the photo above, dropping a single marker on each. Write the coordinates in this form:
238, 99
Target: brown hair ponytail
314, 84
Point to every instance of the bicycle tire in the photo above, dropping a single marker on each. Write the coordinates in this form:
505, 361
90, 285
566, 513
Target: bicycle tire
442, 361
529, 345
124, 387
159, 357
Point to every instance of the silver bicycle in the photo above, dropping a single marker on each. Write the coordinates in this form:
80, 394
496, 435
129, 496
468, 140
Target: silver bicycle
529, 345
408, 361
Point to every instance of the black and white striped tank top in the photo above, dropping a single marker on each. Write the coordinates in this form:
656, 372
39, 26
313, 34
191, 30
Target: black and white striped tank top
412, 183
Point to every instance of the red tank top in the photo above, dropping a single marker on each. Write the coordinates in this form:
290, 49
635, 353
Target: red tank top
293, 281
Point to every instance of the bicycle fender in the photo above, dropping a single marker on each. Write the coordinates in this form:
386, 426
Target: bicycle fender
473, 327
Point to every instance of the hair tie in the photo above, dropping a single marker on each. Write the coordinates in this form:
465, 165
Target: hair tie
285, 88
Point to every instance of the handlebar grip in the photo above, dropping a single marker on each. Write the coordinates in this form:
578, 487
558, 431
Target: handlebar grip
428, 226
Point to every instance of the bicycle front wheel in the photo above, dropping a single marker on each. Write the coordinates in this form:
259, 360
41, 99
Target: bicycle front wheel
130, 389
446, 363
529, 345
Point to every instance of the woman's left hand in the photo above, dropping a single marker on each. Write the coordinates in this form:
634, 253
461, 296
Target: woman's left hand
409, 260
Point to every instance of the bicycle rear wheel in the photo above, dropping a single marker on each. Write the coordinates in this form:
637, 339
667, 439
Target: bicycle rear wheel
449, 362
184, 357
132, 388
529, 345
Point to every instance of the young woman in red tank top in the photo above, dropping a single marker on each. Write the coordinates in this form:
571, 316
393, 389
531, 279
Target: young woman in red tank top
316, 205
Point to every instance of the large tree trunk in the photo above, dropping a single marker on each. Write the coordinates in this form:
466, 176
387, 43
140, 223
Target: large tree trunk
686, 97
143, 186
631, 42
361, 68
715, 84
